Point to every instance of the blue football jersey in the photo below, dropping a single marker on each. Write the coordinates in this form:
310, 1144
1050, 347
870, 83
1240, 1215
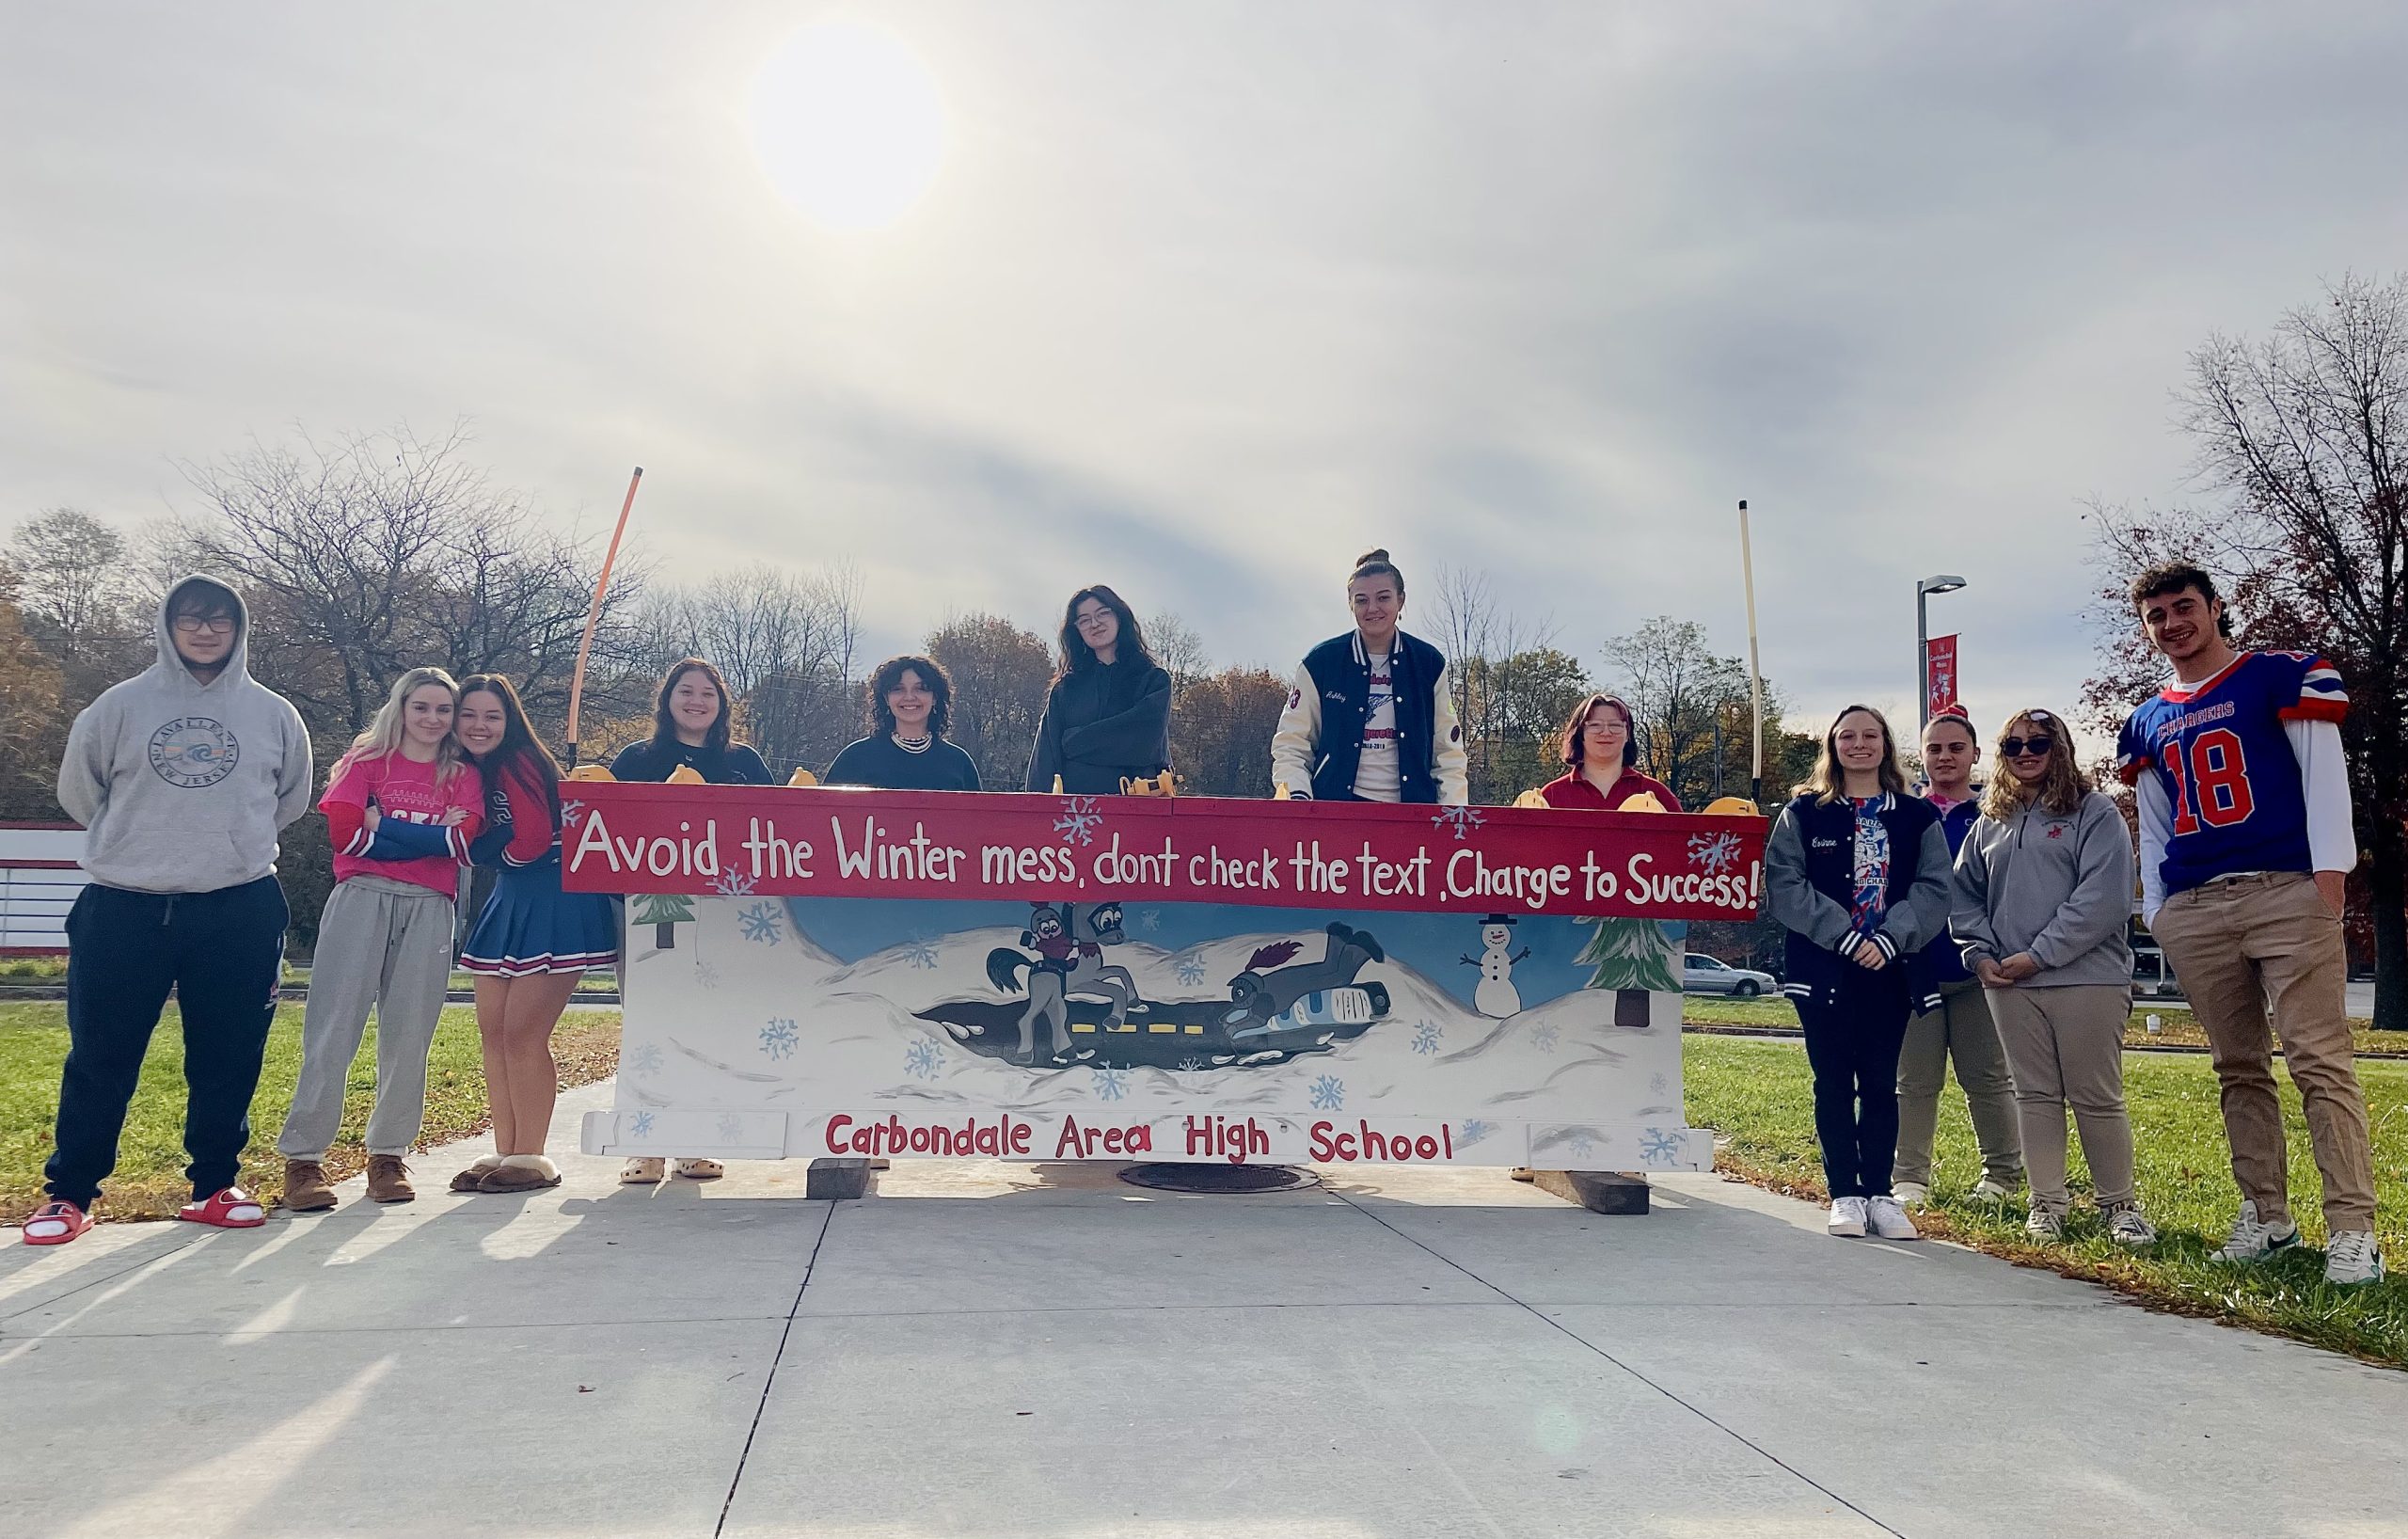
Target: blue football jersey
2226, 766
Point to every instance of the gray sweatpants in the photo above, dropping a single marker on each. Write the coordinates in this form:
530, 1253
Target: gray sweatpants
385, 944
2067, 1045
1961, 1029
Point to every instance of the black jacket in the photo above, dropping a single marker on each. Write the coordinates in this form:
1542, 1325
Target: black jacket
653, 759
1810, 878
1102, 723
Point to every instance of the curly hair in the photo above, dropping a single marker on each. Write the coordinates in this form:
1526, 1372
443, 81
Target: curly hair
2059, 790
888, 676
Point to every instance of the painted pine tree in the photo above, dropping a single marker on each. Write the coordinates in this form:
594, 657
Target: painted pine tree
665, 912
1633, 958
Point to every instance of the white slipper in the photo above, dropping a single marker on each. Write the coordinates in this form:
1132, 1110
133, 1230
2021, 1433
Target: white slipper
642, 1171
700, 1169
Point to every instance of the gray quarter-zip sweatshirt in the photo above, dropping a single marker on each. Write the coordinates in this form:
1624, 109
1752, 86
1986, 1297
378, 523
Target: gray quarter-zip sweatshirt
2056, 885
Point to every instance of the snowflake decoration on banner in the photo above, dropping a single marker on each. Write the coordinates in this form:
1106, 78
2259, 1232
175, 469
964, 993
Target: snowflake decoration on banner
1474, 1130
1659, 1084
778, 1038
1190, 968
642, 1128
1328, 1093
1191, 1063
1715, 852
761, 923
570, 813
1461, 819
919, 952
643, 1060
1544, 1039
1659, 1147
1426, 1036
704, 973
922, 1061
1151, 920
1582, 1146
733, 884
1079, 820
731, 1127
1111, 1083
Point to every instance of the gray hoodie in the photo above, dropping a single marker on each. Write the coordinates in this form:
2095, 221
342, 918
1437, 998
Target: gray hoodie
2056, 885
183, 786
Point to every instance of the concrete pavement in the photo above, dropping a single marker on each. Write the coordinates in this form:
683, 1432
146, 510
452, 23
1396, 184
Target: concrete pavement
991, 1350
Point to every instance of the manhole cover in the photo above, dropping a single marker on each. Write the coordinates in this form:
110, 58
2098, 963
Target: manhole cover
1215, 1177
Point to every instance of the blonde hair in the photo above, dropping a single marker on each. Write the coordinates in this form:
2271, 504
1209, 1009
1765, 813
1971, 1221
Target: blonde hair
383, 734
2061, 787
1829, 782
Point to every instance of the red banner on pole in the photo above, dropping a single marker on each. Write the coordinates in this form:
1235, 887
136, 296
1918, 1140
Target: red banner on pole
736, 840
1940, 669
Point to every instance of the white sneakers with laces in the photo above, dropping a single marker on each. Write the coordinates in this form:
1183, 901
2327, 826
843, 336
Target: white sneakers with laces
1912, 1193
2351, 1258
2044, 1223
1847, 1218
2128, 1225
2254, 1240
1889, 1219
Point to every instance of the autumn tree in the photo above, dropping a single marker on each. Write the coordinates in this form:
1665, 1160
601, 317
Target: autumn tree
33, 716
74, 592
1517, 704
1695, 716
2302, 443
1220, 731
1000, 675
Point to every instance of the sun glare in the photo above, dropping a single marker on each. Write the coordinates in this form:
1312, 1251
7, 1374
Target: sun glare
848, 124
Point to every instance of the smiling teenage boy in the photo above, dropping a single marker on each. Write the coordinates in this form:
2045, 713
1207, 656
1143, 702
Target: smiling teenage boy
2246, 843
182, 776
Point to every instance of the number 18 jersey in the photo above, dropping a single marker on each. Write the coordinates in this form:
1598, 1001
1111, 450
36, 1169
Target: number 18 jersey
2221, 753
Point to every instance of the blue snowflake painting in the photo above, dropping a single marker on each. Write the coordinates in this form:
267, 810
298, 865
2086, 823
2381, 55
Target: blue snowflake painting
1111, 1083
1544, 1039
1473, 1132
1427, 1036
1659, 1147
642, 1128
1659, 1084
730, 884
1191, 1063
706, 975
731, 1127
1582, 1146
643, 1060
1151, 920
1715, 852
1462, 820
922, 1061
919, 953
1079, 820
778, 1038
1190, 968
571, 813
1328, 1094
763, 923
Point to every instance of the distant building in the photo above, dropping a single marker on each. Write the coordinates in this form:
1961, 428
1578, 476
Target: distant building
38, 880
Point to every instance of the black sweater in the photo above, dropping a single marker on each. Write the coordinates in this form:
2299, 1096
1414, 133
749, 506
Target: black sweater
1102, 723
877, 761
653, 759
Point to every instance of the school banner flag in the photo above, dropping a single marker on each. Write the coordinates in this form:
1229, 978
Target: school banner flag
1939, 672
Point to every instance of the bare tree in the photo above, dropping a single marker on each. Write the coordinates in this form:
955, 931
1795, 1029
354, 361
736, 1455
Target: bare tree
1177, 648
2305, 435
1487, 644
1693, 708
74, 589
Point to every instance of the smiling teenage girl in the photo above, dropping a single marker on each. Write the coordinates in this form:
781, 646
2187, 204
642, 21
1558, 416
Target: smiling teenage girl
1369, 717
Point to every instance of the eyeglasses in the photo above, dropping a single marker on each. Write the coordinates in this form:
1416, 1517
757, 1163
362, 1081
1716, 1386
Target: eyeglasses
1093, 618
2039, 743
216, 624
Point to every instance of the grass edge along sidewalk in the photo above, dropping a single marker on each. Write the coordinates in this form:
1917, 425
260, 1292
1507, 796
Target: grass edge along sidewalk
2177, 1027
150, 1184
1757, 1094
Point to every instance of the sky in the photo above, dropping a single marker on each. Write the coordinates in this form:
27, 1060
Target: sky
1203, 299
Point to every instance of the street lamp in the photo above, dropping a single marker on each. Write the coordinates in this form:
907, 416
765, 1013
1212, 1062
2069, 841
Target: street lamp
1924, 588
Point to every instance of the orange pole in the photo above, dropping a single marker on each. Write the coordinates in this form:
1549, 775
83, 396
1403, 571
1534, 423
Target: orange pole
593, 615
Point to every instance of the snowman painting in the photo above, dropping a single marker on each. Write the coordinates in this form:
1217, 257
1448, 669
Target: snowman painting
1495, 996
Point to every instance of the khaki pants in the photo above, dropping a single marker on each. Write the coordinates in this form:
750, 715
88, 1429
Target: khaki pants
2066, 1048
1961, 1029
2240, 946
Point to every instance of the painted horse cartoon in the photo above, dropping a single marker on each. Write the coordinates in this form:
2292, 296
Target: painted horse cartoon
1070, 961
1267, 992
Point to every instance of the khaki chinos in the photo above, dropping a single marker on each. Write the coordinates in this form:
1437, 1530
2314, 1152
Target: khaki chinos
2240, 946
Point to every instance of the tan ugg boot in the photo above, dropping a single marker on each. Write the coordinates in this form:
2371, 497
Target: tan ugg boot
388, 1180
306, 1187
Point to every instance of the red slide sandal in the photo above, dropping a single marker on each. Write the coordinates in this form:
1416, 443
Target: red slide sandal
232, 1208
55, 1223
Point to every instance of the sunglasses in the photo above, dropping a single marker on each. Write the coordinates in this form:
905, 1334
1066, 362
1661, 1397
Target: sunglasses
2040, 743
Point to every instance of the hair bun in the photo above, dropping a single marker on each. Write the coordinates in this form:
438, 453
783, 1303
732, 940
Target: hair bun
1370, 557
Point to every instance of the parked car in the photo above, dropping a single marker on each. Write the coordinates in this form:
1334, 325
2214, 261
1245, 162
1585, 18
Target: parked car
1704, 975
2152, 977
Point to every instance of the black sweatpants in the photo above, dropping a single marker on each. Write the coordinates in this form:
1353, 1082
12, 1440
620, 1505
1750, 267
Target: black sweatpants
1852, 1044
222, 953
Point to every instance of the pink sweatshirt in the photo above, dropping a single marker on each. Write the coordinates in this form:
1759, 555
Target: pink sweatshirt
405, 789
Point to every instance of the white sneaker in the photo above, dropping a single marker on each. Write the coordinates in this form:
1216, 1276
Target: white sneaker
2045, 1224
642, 1171
1847, 1218
2351, 1258
1890, 1220
2128, 1226
1912, 1193
2252, 1241
1987, 1190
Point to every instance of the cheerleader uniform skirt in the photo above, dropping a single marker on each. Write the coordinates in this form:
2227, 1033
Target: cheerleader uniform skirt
530, 925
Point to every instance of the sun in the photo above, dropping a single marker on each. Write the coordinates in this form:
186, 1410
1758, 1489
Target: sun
848, 124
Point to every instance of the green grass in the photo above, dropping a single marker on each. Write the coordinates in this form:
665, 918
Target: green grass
149, 1182
2175, 1027
1757, 1094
